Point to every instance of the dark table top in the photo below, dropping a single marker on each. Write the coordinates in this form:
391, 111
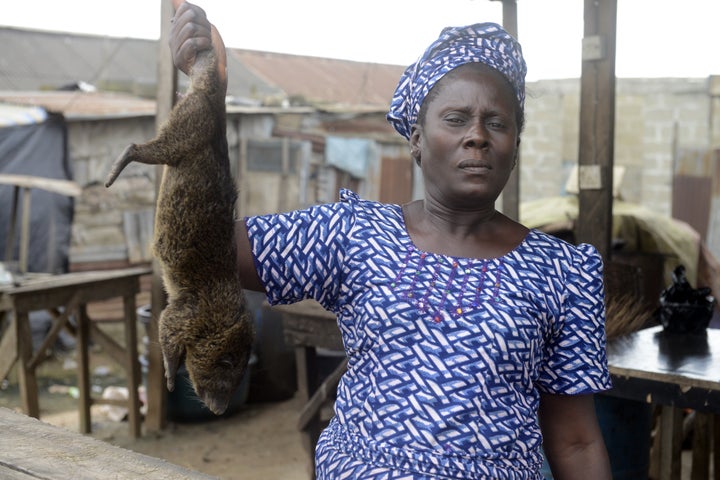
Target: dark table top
680, 370
690, 360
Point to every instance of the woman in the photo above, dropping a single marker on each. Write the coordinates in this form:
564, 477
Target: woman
462, 327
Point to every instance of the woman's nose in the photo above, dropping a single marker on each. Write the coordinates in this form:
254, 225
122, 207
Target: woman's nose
476, 135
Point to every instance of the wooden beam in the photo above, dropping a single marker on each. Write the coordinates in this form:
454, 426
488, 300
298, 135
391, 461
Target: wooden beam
156, 418
63, 187
511, 192
597, 125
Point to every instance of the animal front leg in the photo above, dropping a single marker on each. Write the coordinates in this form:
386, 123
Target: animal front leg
172, 346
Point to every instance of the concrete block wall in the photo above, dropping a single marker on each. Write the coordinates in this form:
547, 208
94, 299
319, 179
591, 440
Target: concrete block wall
102, 215
652, 116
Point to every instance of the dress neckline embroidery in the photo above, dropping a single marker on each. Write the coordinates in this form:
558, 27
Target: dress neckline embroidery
423, 281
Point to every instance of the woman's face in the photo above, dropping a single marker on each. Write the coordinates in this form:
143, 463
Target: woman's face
467, 141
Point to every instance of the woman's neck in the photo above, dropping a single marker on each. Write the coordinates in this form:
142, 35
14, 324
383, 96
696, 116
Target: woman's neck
481, 233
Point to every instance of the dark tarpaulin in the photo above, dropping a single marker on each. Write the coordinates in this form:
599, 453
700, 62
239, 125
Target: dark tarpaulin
38, 149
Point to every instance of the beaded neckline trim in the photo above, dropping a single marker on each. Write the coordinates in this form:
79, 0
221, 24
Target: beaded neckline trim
426, 298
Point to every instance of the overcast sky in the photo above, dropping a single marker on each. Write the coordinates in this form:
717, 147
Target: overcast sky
655, 38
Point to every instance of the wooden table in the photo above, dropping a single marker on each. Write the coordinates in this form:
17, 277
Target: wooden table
63, 296
677, 372
31, 449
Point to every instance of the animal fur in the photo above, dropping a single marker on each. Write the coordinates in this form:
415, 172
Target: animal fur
206, 322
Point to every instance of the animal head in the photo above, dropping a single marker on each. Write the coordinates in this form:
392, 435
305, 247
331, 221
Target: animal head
215, 344
217, 363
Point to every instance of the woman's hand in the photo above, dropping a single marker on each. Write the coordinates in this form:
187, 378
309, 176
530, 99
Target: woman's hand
189, 35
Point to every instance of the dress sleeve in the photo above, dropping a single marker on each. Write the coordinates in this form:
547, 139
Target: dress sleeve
575, 354
300, 254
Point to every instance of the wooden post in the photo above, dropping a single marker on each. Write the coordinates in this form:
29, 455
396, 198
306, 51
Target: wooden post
670, 443
83, 365
27, 381
597, 126
511, 192
156, 418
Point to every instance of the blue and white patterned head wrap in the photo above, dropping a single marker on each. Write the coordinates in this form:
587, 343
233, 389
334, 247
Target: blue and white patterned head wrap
486, 43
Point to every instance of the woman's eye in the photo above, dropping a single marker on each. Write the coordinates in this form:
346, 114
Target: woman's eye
454, 119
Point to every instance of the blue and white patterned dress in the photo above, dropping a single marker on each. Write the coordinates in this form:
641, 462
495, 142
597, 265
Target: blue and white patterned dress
447, 356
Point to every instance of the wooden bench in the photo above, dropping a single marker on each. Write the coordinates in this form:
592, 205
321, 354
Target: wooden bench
32, 449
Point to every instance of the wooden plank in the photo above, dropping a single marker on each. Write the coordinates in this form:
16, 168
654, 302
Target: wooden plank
38, 450
132, 365
25, 232
138, 231
8, 344
691, 196
396, 180
716, 446
670, 443
58, 323
511, 192
48, 282
665, 392
63, 187
83, 368
156, 417
597, 126
12, 226
306, 365
27, 381
702, 425
9, 473
38, 293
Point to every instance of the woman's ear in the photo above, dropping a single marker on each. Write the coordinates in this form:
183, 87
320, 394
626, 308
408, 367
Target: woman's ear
415, 143
517, 154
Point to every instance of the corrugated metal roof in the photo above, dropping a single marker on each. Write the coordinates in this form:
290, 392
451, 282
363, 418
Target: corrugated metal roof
33, 60
324, 80
79, 105
41, 60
